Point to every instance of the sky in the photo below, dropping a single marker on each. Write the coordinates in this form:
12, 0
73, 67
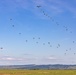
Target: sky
37, 32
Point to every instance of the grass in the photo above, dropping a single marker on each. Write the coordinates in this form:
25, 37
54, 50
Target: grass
37, 72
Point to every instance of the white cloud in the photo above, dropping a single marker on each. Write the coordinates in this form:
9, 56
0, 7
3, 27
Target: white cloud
42, 60
56, 60
57, 6
51, 58
17, 59
52, 6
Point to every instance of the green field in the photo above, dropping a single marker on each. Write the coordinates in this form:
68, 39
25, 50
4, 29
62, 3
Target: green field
37, 72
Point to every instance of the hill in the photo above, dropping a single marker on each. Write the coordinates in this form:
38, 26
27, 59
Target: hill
34, 67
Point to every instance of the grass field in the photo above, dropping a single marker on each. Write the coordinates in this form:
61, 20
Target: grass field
37, 72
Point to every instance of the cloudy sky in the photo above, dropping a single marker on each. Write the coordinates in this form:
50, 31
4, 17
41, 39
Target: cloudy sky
37, 32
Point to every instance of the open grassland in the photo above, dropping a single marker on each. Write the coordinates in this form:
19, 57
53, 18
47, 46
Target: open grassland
37, 72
